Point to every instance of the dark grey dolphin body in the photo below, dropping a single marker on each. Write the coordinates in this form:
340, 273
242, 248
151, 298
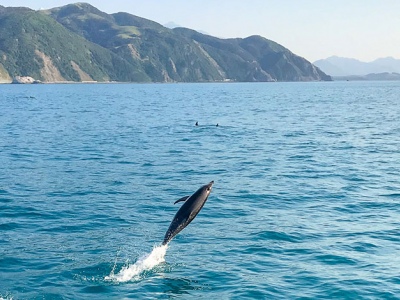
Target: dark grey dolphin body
188, 211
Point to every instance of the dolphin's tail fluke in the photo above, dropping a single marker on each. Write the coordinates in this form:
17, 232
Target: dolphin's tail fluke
169, 235
166, 240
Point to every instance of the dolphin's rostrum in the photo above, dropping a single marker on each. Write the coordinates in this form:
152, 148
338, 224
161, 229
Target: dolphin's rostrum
188, 211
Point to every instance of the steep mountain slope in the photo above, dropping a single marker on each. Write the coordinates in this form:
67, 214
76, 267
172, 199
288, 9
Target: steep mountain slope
33, 44
78, 42
183, 54
164, 56
255, 59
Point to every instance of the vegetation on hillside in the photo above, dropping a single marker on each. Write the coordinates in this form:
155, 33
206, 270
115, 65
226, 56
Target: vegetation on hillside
24, 33
79, 39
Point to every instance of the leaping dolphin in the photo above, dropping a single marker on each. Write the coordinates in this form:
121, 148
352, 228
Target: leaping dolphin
188, 211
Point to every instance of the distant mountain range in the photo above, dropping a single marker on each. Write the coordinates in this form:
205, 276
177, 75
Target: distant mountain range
371, 76
172, 25
78, 42
340, 66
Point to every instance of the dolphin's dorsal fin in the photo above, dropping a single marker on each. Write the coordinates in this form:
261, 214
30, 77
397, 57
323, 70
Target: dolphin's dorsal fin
182, 199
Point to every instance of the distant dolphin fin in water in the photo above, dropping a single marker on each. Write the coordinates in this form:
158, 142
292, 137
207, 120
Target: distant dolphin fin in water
182, 199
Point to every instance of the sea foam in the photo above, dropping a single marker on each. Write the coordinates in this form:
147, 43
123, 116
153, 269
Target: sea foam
145, 263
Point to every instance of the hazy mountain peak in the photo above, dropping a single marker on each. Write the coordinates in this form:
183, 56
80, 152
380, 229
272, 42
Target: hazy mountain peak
344, 66
172, 25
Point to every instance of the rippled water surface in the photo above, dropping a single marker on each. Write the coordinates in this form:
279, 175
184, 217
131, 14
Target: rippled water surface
306, 200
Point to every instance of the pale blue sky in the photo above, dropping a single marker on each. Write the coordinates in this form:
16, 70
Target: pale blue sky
314, 29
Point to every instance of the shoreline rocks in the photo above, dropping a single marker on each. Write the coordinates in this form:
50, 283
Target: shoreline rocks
24, 80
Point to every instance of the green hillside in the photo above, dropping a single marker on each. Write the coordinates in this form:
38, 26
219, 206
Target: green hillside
78, 42
34, 44
164, 55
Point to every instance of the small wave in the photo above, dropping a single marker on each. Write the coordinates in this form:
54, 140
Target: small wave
8, 227
278, 236
4, 192
393, 195
145, 263
332, 259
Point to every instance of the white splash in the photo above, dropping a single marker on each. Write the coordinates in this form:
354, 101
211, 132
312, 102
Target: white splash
145, 263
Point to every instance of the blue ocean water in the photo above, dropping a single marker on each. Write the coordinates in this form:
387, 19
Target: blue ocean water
305, 205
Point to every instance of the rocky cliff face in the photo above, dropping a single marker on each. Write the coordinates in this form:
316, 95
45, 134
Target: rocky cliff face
78, 42
4, 76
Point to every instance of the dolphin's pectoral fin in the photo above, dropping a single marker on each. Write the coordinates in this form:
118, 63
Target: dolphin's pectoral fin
182, 199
